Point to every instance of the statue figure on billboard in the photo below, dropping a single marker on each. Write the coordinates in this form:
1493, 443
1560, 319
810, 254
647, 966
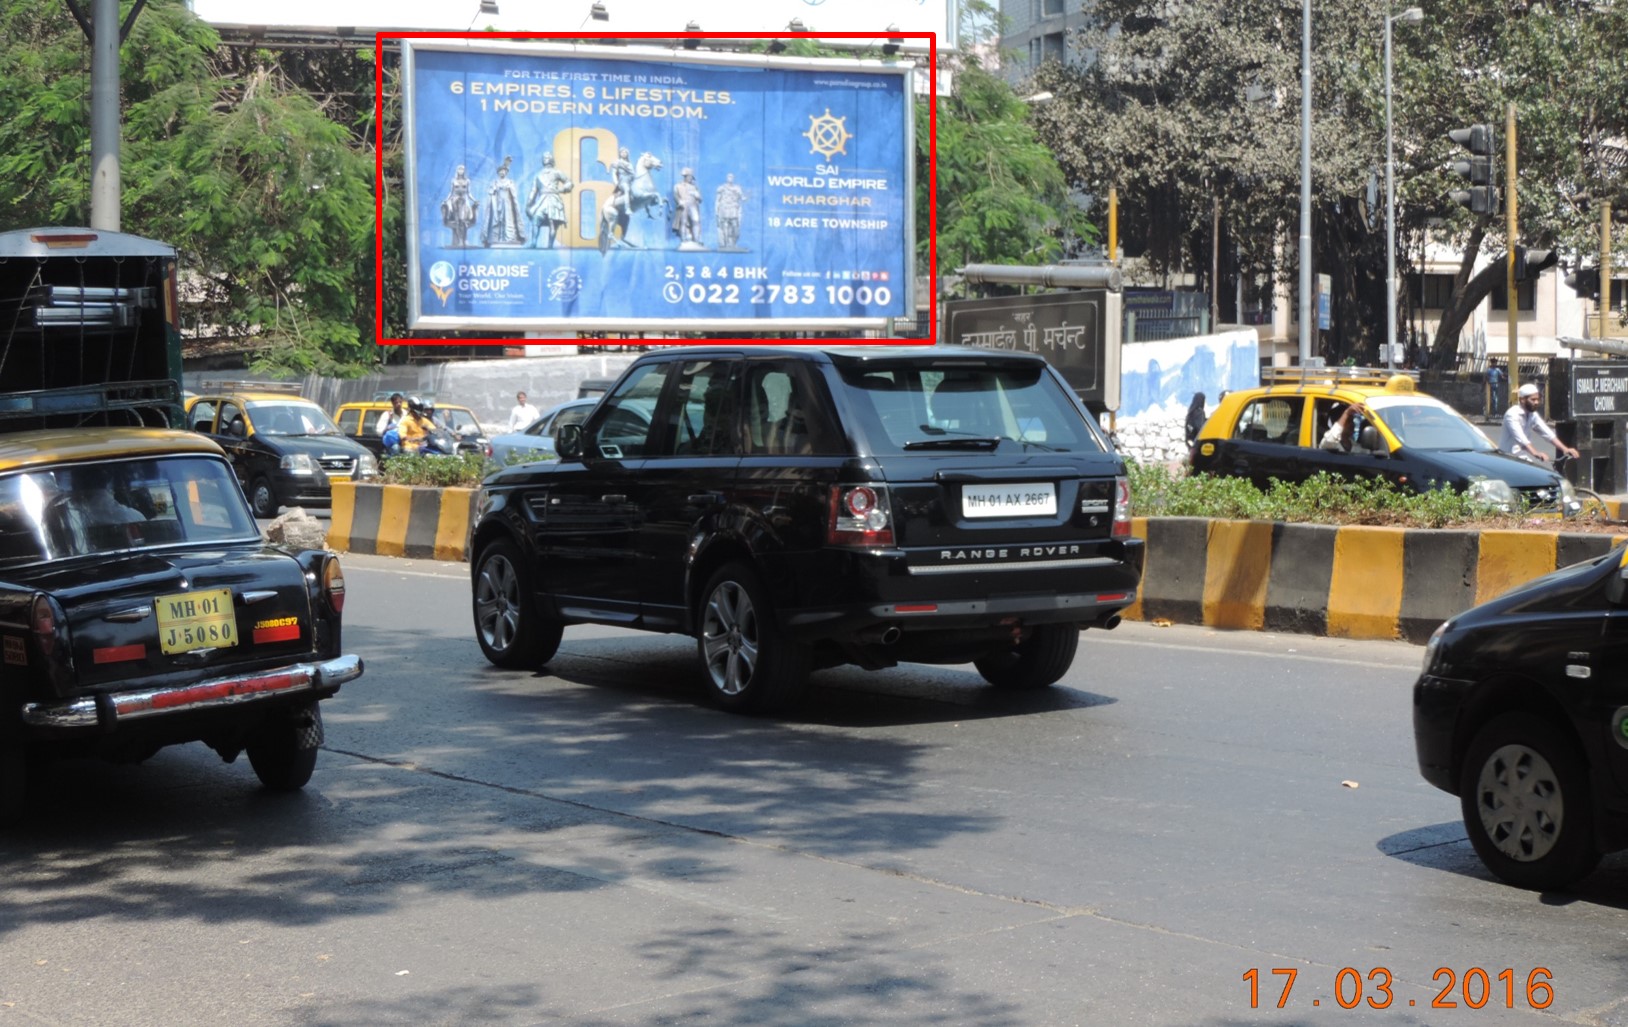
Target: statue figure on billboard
546, 204
730, 199
621, 170
687, 211
458, 209
503, 225
639, 194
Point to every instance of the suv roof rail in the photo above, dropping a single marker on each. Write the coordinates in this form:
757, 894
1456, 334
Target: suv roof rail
213, 385
1332, 375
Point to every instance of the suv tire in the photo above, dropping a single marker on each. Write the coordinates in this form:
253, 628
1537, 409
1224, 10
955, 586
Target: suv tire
1547, 842
750, 665
1036, 662
510, 630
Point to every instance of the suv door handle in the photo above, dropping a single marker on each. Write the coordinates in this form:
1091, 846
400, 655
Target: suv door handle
613, 498
706, 498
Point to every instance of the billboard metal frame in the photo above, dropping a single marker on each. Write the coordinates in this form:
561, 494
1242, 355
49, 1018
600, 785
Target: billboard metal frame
533, 45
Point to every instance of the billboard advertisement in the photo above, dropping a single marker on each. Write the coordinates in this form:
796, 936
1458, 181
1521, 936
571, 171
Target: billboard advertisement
582, 188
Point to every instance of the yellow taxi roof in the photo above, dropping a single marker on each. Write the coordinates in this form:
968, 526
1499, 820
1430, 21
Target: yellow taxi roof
69, 445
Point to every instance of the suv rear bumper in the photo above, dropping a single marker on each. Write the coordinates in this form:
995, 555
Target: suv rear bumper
890, 589
954, 614
106, 711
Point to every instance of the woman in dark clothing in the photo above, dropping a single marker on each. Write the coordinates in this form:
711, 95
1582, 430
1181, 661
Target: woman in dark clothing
1195, 421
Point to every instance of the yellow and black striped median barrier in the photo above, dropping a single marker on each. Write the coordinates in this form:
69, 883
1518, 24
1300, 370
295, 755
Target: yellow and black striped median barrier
401, 520
1343, 581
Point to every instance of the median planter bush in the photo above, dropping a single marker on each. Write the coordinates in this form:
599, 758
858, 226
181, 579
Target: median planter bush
1156, 491
462, 471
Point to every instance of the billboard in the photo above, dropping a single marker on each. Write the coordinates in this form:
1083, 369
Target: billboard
581, 188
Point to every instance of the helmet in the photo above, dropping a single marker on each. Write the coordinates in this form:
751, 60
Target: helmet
415, 405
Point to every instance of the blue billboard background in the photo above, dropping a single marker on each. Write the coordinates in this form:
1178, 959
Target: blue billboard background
815, 161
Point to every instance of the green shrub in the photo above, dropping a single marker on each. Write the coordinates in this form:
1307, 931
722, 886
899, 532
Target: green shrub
1324, 498
462, 471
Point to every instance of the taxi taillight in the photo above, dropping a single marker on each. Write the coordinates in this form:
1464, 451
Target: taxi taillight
46, 622
333, 584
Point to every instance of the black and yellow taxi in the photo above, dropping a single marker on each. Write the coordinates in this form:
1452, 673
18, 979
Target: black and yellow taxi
1398, 434
360, 421
140, 606
1522, 712
285, 450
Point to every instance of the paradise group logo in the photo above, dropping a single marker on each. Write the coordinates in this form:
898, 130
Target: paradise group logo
441, 279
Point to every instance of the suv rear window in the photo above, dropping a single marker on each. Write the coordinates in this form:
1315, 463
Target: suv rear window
914, 407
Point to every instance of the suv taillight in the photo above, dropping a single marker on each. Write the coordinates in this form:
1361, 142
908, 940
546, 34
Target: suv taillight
1122, 508
860, 516
333, 584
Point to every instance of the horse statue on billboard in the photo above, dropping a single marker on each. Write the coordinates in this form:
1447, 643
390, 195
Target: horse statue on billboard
634, 193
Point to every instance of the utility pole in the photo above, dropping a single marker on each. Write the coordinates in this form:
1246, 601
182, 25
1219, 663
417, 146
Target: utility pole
1305, 183
1514, 288
104, 114
1605, 268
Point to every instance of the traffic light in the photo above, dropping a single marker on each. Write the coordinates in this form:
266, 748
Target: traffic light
1586, 282
1530, 263
1482, 196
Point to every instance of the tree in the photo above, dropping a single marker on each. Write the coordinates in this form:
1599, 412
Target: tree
1196, 104
264, 188
1002, 199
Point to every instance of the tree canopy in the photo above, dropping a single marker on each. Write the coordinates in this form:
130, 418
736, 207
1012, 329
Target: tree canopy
254, 164
1195, 106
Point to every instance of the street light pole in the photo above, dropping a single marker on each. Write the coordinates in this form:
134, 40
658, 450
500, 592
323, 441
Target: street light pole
1411, 15
1305, 183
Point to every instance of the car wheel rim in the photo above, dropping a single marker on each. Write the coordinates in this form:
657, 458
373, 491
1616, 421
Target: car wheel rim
262, 500
729, 638
497, 603
1521, 806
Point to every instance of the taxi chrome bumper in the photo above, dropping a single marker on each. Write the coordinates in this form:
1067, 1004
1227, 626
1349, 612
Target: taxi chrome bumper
107, 709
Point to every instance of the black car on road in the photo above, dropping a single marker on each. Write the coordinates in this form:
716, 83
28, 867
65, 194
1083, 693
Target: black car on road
1522, 712
285, 450
793, 508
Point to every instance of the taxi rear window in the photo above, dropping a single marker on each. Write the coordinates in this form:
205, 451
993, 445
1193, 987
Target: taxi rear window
87, 509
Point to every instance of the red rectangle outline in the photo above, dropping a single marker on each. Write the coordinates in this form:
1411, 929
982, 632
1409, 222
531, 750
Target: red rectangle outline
379, 337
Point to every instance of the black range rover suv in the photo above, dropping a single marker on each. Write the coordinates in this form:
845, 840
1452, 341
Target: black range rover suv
794, 508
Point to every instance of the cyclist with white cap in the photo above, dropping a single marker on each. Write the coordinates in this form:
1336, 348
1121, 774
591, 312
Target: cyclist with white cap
1522, 421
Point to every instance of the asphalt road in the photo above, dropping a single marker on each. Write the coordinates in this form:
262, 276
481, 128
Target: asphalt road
592, 845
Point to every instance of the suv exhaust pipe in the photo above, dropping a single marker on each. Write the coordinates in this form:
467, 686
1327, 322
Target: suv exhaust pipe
885, 635
1108, 621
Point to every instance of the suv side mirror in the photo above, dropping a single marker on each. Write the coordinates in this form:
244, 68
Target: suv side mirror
568, 441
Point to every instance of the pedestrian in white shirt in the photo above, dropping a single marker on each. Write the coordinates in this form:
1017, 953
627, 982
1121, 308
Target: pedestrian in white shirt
1522, 421
523, 413
398, 410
